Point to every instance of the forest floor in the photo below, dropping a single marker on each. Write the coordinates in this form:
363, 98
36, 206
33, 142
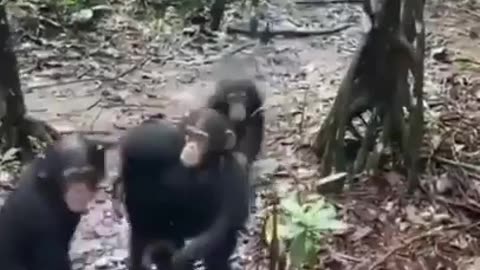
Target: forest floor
108, 79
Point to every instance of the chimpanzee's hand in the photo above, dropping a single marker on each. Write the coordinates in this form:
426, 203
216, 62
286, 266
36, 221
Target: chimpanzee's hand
182, 260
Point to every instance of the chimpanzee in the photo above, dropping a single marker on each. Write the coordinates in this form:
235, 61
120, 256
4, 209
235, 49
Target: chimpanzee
240, 101
182, 182
39, 218
159, 254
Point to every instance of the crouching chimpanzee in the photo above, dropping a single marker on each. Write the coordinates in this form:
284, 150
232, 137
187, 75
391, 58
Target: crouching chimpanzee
39, 218
240, 101
182, 182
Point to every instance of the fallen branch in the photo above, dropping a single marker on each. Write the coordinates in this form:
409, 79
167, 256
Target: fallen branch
48, 85
86, 132
240, 48
458, 164
288, 33
473, 208
329, 184
327, 2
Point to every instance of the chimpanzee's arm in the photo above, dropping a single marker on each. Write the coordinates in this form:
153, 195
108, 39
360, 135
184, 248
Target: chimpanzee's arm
217, 103
251, 143
50, 253
233, 214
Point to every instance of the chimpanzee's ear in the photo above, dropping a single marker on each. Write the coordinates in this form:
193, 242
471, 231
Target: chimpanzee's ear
230, 139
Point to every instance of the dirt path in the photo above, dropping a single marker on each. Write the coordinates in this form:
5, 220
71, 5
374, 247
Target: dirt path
166, 80
284, 70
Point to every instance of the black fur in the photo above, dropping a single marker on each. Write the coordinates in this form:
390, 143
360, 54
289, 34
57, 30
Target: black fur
35, 224
167, 202
249, 131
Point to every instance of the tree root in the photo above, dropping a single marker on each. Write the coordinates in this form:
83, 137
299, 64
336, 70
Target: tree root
377, 82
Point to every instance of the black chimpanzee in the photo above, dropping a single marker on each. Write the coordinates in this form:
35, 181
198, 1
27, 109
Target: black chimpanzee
240, 101
182, 182
39, 218
159, 254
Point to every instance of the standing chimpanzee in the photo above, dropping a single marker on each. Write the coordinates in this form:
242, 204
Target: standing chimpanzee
39, 218
182, 182
240, 101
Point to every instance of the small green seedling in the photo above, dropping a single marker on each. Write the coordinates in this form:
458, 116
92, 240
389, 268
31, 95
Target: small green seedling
303, 226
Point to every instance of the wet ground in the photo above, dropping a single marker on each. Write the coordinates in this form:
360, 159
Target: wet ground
124, 71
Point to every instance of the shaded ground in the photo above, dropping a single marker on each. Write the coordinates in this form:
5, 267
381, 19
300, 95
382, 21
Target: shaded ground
148, 75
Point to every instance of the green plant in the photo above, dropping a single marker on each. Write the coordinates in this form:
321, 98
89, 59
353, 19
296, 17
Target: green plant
302, 226
9, 161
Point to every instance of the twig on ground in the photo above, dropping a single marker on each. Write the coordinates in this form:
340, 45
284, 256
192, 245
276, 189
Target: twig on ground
344, 257
458, 163
97, 116
133, 67
213, 59
290, 33
304, 106
240, 48
464, 229
134, 106
94, 104
48, 85
327, 2
474, 208
86, 132
430, 233
122, 74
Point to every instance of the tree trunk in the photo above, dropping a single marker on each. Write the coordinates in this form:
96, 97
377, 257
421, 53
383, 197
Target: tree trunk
216, 13
16, 127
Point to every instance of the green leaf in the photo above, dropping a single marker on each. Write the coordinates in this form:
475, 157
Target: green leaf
298, 252
319, 204
291, 205
298, 218
323, 218
331, 224
294, 230
317, 235
326, 212
312, 248
323, 214
310, 220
